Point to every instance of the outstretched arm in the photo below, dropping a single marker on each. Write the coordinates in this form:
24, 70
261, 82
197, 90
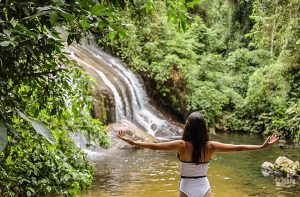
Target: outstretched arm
220, 147
175, 145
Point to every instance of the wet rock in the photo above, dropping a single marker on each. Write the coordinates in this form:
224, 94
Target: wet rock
267, 168
160, 134
154, 127
103, 105
132, 131
283, 167
166, 132
287, 166
104, 102
285, 142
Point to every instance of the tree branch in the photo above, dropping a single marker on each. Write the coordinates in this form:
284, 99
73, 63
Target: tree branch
38, 74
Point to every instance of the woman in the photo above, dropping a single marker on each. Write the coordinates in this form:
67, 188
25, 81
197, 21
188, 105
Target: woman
194, 152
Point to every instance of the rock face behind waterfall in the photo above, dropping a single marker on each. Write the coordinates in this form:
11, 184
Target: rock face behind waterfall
131, 131
285, 171
103, 105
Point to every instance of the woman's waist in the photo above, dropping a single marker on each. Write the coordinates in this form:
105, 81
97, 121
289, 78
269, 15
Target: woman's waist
194, 171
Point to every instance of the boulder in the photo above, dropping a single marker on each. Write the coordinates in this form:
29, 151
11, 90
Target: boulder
287, 166
283, 167
267, 168
132, 131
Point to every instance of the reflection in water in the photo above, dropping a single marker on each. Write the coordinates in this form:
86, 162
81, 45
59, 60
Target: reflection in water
147, 173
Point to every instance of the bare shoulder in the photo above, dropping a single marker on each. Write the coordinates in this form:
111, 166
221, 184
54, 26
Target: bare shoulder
177, 143
181, 143
212, 144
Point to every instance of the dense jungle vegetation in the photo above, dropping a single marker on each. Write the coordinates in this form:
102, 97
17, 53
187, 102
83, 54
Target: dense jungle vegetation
237, 61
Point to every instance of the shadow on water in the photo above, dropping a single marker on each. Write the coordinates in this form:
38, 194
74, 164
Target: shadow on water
147, 173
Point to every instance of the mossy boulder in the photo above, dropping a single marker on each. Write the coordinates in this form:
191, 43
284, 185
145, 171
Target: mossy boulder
287, 166
283, 167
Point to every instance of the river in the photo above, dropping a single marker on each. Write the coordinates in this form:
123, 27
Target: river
147, 173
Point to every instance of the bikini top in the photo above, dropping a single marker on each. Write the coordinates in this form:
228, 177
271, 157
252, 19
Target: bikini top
193, 170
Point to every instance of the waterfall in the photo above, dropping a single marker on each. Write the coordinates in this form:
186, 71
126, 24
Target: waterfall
131, 100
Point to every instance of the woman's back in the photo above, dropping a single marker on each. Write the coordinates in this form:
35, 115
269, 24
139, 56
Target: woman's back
193, 179
185, 153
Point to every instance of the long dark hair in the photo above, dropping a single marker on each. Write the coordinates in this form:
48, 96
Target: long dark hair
196, 132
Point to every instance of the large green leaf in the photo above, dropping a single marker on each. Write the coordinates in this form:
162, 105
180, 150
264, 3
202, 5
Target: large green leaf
3, 136
98, 10
39, 127
68, 17
149, 6
23, 115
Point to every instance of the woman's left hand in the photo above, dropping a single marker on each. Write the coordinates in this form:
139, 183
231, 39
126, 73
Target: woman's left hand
121, 135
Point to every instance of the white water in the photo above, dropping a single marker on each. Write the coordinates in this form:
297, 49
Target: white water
119, 108
131, 100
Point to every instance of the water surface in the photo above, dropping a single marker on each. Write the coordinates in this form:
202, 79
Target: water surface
147, 173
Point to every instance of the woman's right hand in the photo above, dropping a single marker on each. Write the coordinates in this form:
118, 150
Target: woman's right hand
270, 141
121, 135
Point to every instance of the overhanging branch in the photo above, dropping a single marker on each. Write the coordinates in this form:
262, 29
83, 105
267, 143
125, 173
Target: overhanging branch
38, 74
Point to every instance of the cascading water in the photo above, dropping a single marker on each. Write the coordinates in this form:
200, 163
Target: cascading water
131, 100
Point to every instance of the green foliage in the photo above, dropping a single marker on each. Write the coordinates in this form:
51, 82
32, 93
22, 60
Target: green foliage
208, 100
39, 127
30, 163
276, 26
271, 105
242, 63
264, 95
38, 80
35, 79
264, 92
31, 52
3, 136
31, 167
238, 62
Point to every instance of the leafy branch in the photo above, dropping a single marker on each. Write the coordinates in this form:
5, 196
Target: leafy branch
37, 74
